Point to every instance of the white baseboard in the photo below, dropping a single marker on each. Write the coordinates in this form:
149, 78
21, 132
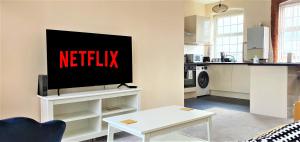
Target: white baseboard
237, 95
190, 95
190, 90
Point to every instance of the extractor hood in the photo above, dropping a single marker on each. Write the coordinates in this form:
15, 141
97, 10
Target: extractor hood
196, 30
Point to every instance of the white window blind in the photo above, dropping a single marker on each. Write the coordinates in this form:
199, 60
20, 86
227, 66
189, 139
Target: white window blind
289, 32
228, 31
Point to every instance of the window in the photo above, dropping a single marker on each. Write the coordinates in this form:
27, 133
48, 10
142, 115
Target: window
289, 32
229, 35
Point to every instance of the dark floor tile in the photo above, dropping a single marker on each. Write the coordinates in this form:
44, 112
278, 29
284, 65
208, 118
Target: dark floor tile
206, 102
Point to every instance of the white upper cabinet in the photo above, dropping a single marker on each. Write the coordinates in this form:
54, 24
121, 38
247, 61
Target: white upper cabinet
258, 38
197, 30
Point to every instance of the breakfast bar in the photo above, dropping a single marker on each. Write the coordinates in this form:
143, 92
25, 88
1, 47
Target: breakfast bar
268, 86
273, 87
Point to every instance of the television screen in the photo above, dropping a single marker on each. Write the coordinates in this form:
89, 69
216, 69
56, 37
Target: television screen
76, 59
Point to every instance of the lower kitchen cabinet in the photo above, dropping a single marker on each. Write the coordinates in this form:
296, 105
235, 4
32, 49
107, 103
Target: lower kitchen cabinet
220, 77
230, 78
240, 79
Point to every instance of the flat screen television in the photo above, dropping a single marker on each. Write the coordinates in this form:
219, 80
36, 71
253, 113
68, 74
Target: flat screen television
77, 59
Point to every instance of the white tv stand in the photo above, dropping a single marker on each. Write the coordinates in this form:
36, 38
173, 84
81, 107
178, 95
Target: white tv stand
83, 111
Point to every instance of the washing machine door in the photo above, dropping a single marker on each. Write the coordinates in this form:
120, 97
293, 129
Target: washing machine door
203, 79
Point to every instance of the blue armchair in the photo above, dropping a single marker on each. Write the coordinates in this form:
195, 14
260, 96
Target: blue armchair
23, 129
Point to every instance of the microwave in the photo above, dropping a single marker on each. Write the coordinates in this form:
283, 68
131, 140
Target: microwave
193, 58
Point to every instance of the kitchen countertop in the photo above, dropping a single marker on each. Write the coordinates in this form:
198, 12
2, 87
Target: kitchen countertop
276, 64
246, 63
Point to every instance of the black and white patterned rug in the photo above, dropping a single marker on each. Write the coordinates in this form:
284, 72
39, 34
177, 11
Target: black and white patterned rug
286, 133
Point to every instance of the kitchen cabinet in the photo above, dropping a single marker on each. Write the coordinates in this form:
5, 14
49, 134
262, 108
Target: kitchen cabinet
258, 39
240, 79
196, 30
220, 77
230, 78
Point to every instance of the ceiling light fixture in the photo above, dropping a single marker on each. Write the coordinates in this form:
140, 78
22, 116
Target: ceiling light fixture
220, 8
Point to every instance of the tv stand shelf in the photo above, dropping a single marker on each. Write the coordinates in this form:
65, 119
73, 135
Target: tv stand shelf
121, 109
67, 117
83, 111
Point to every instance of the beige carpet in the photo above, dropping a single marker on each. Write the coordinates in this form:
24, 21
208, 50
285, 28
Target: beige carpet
228, 125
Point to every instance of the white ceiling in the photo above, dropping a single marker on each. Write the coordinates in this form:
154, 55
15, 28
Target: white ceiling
207, 1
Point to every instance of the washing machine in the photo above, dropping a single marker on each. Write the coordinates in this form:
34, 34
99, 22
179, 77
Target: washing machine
202, 81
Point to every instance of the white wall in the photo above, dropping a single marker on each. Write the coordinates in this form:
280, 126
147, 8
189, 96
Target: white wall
156, 28
191, 7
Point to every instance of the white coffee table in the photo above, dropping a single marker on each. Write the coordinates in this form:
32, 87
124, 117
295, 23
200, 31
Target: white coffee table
158, 121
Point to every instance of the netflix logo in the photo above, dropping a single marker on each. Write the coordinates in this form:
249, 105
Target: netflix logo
88, 58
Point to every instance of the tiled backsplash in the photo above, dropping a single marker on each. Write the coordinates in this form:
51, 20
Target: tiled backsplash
194, 49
